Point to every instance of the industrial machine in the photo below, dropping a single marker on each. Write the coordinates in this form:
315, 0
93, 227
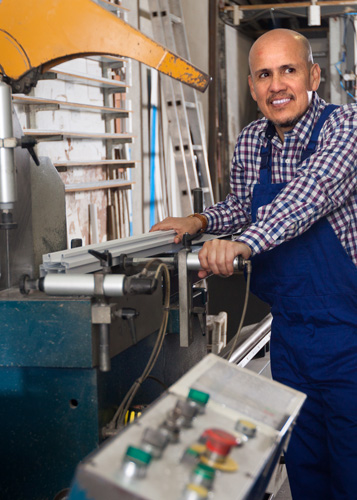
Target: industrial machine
216, 433
55, 400
68, 358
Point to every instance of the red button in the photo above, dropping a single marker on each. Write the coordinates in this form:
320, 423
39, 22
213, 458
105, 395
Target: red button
219, 441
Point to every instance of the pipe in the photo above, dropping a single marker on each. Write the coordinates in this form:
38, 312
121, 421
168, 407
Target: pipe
104, 354
8, 192
261, 330
193, 263
197, 200
291, 5
81, 284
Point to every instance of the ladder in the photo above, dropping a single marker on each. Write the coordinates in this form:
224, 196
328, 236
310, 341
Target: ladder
185, 125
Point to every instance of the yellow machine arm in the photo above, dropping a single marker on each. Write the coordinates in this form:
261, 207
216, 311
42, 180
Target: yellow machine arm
37, 35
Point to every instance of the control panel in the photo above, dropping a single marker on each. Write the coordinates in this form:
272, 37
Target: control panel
217, 433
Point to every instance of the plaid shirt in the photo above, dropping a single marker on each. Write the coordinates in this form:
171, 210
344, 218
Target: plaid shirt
324, 184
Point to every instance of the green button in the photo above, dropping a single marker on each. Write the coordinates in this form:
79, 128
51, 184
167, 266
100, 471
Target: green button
191, 451
138, 454
205, 470
198, 396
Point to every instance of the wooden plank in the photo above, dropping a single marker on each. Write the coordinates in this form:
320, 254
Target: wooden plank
92, 186
97, 163
39, 101
106, 83
44, 134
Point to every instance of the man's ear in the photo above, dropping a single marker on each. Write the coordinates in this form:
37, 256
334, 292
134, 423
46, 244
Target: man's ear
251, 87
315, 76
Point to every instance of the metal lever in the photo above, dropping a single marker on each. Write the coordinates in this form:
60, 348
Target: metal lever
129, 314
187, 239
105, 258
29, 143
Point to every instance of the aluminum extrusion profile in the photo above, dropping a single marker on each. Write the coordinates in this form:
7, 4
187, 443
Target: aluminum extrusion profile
78, 260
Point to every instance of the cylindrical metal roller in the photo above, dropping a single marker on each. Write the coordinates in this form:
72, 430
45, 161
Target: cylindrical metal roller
193, 262
82, 284
8, 194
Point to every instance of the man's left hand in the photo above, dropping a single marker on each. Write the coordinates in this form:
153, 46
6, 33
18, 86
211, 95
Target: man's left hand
216, 256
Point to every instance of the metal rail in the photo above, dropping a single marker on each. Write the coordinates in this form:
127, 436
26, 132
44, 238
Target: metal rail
261, 330
78, 260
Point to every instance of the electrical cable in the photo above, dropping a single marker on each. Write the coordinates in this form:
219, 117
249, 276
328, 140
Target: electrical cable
247, 288
155, 352
249, 18
119, 417
160, 382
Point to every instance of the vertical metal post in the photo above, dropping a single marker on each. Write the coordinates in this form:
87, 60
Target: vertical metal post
212, 96
197, 200
104, 354
8, 188
8, 192
335, 39
185, 300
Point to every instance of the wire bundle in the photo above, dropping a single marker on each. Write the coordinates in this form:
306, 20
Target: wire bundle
118, 420
247, 288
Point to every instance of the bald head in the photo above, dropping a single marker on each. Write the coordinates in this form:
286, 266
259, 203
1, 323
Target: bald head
282, 36
282, 77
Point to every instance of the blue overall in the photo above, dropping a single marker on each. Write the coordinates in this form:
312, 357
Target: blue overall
311, 284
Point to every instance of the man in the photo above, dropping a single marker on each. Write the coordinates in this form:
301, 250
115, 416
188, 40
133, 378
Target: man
293, 183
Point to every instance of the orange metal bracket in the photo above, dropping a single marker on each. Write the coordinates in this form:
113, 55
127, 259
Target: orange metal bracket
35, 36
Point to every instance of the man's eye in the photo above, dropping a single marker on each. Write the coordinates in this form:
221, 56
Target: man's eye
263, 75
289, 70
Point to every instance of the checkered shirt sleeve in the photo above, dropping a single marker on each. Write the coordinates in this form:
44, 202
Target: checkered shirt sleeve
324, 184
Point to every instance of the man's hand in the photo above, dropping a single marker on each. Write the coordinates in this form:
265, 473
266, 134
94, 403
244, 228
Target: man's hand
216, 256
181, 225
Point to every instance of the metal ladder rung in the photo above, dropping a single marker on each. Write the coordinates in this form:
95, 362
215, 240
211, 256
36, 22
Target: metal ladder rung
175, 19
190, 105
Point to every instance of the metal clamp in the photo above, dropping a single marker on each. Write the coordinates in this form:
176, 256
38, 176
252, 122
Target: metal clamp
9, 142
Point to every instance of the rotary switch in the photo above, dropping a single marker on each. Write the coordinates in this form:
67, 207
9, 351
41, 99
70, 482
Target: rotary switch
246, 427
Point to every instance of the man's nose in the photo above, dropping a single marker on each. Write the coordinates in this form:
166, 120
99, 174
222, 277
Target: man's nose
277, 83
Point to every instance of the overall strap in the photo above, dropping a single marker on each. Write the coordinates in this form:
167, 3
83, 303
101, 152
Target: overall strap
265, 151
311, 147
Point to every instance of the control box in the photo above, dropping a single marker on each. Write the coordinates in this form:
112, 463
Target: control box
216, 433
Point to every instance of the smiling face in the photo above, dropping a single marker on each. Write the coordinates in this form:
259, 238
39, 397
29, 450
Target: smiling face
282, 77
